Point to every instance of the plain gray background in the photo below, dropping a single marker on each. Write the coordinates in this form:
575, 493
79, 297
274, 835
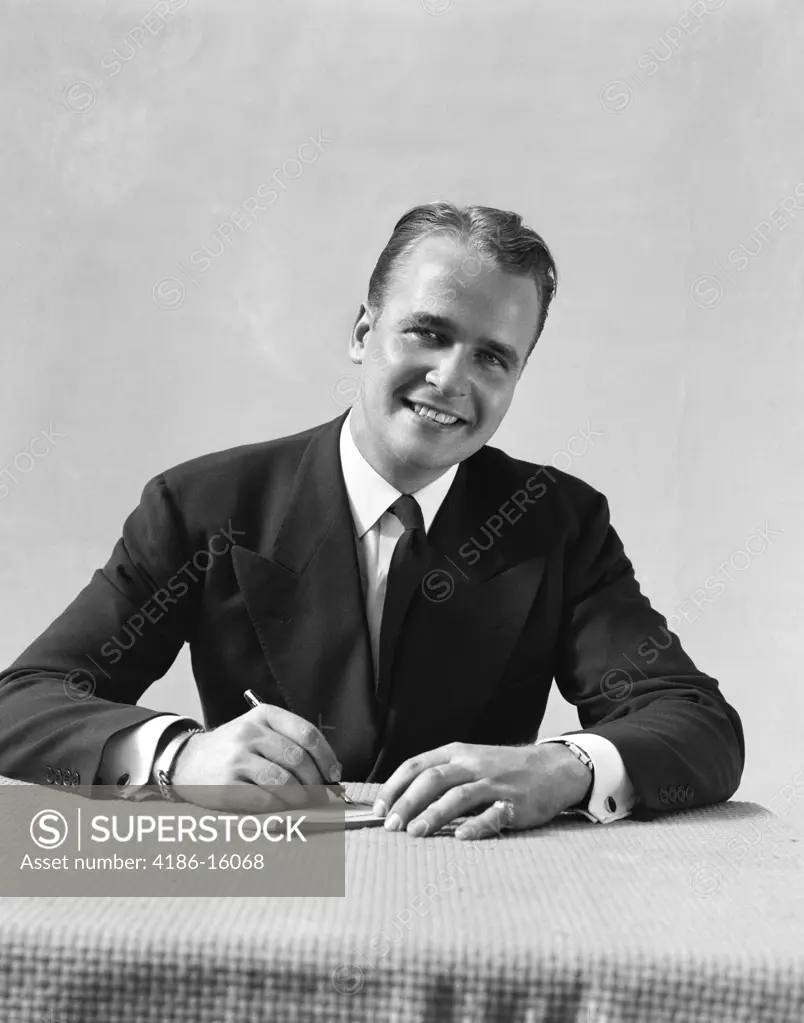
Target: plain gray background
657, 148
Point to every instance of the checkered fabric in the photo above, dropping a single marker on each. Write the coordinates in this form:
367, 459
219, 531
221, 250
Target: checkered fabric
696, 917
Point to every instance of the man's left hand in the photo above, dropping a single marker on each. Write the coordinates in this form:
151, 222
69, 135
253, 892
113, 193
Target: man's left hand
435, 787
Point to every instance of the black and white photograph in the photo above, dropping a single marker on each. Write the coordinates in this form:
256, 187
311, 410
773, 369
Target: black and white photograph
401, 511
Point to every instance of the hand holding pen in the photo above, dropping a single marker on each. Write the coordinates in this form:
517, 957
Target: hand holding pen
259, 762
295, 750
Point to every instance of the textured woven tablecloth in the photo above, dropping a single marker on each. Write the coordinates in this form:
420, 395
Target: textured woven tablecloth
697, 916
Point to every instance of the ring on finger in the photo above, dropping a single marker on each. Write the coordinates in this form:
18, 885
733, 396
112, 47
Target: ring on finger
505, 809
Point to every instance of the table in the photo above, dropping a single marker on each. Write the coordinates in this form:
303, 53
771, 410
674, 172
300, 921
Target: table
695, 917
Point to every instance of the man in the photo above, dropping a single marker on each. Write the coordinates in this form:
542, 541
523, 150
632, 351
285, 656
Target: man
399, 594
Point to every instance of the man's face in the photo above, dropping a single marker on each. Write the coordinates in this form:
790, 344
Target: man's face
453, 337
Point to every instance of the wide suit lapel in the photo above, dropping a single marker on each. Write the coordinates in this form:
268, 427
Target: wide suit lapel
304, 597
305, 600
462, 623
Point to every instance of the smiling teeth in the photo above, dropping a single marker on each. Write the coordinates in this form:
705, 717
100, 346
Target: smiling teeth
439, 417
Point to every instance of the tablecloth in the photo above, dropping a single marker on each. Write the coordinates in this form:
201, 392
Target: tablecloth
695, 917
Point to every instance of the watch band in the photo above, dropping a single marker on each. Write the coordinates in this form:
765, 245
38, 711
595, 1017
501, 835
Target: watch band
587, 761
166, 762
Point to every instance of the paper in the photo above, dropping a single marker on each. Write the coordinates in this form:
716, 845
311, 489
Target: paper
340, 814
362, 815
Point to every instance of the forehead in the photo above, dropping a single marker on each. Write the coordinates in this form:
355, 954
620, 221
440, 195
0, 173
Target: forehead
445, 276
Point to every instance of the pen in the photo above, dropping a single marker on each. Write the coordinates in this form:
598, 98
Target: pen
254, 700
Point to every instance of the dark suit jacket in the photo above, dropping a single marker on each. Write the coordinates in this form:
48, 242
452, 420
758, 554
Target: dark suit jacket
528, 582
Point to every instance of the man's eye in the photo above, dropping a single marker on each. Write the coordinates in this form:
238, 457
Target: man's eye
429, 335
495, 358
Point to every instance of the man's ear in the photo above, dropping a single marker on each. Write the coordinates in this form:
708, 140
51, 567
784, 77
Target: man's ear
357, 342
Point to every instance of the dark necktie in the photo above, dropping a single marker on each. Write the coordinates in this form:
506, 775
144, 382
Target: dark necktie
405, 573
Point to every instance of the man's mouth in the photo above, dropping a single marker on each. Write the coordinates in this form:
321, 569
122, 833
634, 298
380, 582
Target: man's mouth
433, 415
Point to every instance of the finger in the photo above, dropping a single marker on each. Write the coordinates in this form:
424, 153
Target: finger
462, 799
488, 824
289, 755
278, 782
406, 773
304, 734
425, 790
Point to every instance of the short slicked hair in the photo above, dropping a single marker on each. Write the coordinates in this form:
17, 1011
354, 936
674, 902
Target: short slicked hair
497, 237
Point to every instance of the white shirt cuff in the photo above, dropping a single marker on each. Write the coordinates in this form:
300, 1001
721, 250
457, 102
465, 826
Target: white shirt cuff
132, 754
613, 796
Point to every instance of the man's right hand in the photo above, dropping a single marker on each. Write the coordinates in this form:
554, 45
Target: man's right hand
240, 765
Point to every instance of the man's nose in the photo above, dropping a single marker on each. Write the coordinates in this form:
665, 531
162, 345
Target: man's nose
450, 374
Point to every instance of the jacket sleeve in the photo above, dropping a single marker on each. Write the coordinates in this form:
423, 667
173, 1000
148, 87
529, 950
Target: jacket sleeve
681, 742
77, 684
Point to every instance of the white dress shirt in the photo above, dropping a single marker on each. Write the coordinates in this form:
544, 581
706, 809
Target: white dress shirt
376, 533
376, 528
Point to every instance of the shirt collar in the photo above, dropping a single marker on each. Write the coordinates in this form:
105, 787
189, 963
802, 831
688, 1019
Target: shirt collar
370, 495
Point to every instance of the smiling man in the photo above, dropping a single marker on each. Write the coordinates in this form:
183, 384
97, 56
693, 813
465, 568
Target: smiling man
398, 593
444, 352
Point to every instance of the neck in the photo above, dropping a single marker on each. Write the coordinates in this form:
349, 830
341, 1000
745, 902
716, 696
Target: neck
404, 477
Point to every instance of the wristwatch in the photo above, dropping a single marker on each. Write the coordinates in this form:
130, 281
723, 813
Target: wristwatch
587, 761
166, 762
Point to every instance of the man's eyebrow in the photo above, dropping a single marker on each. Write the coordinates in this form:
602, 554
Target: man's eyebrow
430, 321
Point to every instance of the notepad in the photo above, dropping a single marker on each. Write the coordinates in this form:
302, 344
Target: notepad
355, 815
362, 815
333, 815
339, 815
